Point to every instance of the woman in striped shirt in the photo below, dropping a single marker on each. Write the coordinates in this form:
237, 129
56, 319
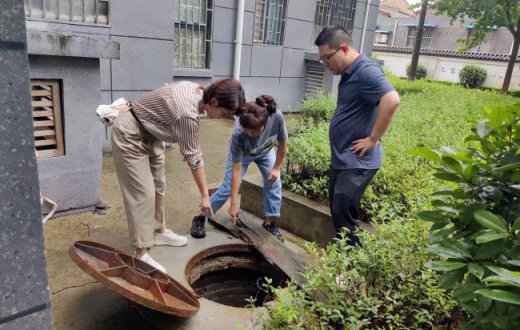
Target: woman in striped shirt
168, 114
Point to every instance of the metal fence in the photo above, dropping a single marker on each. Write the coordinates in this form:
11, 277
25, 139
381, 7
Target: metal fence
193, 21
270, 17
75, 11
333, 12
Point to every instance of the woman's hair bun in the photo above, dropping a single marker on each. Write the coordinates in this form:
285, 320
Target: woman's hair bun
267, 102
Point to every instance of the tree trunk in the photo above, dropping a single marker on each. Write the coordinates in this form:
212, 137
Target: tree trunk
511, 64
418, 40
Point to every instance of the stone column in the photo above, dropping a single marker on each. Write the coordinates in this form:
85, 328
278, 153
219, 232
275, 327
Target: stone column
24, 295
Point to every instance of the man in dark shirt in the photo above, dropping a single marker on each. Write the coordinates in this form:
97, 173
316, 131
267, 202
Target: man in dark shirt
366, 105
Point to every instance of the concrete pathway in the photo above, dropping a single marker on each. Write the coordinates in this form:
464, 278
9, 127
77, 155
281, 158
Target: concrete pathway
79, 302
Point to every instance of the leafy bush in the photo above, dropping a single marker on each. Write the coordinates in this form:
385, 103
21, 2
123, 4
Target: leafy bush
476, 222
382, 286
472, 76
308, 160
320, 106
420, 73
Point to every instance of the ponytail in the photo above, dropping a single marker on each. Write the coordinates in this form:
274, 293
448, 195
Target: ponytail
255, 114
267, 102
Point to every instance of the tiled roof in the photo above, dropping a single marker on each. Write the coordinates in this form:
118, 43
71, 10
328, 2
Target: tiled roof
399, 5
446, 53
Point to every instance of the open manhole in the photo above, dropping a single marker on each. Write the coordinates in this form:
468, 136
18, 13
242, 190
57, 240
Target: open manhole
232, 274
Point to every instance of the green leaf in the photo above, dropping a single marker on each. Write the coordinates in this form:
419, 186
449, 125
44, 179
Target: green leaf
451, 278
470, 171
514, 262
489, 237
501, 295
491, 221
452, 164
507, 167
477, 270
425, 153
490, 250
439, 235
432, 216
455, 245
516, 224
504, 276
445, 266
466, 291
448, 177
444, 252
457, 194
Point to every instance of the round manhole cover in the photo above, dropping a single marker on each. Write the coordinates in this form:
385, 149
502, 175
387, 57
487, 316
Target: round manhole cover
134, 279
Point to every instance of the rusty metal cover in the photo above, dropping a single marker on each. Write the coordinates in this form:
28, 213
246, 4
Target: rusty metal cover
134, 279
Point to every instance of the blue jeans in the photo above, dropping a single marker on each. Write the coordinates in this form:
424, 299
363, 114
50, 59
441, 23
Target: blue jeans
272, 193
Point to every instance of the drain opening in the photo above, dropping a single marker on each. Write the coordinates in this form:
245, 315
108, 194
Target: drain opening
232, 274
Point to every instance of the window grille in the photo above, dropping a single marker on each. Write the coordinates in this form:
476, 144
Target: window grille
381, 39
426, 39
333, 12
193, 21
47, 118
75, 11
270, 18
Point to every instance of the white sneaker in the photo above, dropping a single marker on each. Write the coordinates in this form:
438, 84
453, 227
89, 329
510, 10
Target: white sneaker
149, 260
169, 238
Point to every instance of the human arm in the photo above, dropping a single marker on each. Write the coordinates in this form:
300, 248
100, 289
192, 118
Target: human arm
234, 206
280, 154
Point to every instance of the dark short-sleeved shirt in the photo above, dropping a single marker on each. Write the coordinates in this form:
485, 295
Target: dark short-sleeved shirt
360, 89
242, 144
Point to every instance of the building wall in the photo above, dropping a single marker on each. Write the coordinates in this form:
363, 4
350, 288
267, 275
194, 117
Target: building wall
147, 50
448, 68
145, 31
446, 34
73, 180
24, 294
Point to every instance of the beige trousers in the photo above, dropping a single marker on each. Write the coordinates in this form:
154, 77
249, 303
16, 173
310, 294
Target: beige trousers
139, 162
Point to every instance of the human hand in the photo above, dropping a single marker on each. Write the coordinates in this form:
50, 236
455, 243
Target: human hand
233, 212
363, 145
205, 206
273, 175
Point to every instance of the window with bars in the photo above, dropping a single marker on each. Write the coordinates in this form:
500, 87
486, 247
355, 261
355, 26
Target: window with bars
333, 12
192, 26
47, 118
75, 11
426, 39
270, 17
381, 39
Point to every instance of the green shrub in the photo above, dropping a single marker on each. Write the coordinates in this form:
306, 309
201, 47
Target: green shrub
384, 285
421, 72
472, 76
308, 160
320, 106
476, 221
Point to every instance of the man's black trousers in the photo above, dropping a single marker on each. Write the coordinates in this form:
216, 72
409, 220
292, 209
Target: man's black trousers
346, 187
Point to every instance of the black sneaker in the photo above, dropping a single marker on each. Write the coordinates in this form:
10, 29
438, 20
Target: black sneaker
197, 227
273, 229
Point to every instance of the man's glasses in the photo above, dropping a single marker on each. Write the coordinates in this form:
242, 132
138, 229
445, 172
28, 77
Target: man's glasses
326, 58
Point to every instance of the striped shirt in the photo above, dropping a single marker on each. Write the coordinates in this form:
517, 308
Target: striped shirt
171, 114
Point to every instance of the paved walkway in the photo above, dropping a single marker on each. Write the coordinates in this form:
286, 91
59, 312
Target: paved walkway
78, 301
